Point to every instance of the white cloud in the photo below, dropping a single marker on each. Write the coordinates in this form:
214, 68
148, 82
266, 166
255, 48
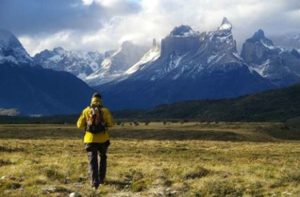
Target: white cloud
34, 45
109, 3
156, 18
87, 2
106, 3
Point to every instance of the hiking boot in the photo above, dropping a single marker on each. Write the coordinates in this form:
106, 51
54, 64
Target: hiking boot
101, 182
95, 186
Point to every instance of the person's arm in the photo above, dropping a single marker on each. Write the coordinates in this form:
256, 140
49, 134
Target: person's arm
81, 122
107, 117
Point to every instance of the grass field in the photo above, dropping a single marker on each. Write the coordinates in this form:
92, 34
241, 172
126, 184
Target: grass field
171, 159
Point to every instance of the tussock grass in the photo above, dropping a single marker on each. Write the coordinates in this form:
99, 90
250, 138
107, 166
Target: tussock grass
198, 173
158, 159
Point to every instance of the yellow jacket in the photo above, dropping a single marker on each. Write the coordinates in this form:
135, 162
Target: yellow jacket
92, 137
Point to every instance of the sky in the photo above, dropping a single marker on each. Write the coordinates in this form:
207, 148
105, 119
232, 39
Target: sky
101, 25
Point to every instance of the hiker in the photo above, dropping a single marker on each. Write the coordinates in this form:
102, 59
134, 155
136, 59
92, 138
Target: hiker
95, 119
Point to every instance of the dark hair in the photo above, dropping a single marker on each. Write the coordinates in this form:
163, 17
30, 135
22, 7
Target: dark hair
97, 94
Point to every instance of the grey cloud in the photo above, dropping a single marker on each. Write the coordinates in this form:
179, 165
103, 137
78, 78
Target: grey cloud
29, 17
100, 27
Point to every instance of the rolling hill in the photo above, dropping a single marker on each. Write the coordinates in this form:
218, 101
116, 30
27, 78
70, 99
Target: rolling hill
274, 105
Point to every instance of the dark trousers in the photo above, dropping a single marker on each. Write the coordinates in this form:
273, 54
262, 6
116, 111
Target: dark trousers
97, 169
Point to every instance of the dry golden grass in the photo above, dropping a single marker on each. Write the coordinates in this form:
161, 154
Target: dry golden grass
191, 159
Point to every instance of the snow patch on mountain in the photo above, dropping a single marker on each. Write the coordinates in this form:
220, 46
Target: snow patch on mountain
260, 69
79, 63
106, 63
174, 62
226, 25
152, 55
271, 47
279, 65
210, 58
117, 64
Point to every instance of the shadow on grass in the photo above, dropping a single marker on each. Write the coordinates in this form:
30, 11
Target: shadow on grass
117, 183
11, 149
150, 134
40, 133
179, 135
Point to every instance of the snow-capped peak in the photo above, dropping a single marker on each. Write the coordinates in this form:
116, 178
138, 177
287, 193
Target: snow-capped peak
225, 25
78, 63
11, 50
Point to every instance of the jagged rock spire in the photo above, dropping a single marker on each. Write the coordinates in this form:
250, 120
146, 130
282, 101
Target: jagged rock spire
154, 43
258, 35
225, 25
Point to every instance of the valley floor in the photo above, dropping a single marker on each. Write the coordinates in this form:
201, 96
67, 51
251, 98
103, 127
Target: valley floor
171, 159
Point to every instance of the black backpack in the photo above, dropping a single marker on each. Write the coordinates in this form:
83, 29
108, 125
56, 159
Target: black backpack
95, 122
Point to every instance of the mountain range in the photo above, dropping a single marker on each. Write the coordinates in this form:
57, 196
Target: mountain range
280, 66
185, 65
33, 90
81, 64
207, 65
92, 67
277, 64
